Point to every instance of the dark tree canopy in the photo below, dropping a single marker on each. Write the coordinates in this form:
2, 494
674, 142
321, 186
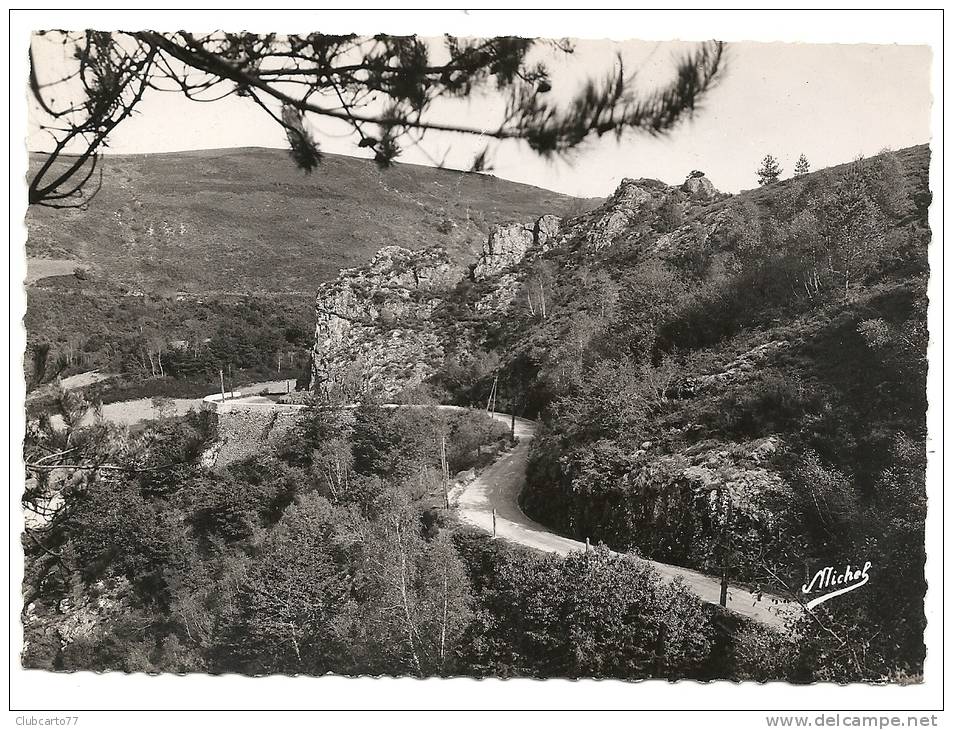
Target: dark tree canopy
802, 167
769, 171
383, 87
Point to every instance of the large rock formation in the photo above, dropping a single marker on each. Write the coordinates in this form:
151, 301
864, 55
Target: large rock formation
632, 201
376, 328
699, 188
372, 331
508, 245
374, 325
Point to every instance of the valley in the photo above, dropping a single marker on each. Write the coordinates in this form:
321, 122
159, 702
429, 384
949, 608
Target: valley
726, 389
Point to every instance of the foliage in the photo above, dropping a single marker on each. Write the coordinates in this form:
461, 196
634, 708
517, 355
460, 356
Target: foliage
802, 166
333, 76
756, 406
264, 569
117, 332
586, 615
770, 170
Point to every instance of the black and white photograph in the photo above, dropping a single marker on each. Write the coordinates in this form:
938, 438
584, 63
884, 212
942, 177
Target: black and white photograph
356, 348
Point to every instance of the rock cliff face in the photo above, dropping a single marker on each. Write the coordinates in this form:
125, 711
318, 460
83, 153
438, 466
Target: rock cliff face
376, 329
373, 330
508, 245
393, 323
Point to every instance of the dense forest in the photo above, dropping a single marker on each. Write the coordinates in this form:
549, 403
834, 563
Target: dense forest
85, 322
333, 553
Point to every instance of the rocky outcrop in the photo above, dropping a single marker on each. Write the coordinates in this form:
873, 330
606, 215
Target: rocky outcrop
500, 296
376, 328
75, 618
546, 230
633, 200
680, 241
372, 331
699, 188
508, 245
738, 474
504, 248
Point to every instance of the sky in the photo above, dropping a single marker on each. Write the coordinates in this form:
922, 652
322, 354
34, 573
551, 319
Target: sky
831, 103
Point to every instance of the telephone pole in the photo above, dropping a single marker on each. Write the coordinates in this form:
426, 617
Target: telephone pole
445, 468
491, 401
512, 394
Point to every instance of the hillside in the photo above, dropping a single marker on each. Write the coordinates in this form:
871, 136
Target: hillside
246, 220
727, 383
193, 247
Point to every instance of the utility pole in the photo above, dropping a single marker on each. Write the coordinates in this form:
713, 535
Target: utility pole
445, 467
726, 551
491, 401
660, 650
509, 387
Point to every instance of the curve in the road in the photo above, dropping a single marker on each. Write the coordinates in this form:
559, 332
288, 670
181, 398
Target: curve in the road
498, 488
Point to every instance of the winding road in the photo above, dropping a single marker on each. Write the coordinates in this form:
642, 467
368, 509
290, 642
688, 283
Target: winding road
498, 487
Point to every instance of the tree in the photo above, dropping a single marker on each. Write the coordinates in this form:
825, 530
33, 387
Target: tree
592, 614
418, 596
537, 288
802, 166
383, 87
770, 170
296, 598
852, 227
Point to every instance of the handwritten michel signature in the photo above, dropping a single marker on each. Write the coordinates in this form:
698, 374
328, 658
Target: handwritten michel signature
825, 578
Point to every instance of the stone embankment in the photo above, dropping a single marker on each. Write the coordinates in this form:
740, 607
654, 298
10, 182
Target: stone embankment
246, 424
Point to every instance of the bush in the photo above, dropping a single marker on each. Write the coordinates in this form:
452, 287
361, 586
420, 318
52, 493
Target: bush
585, 615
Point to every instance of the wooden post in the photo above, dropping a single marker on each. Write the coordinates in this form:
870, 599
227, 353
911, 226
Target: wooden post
494, 522
726, 546
221, 375
660, 650
491, 401
445, 468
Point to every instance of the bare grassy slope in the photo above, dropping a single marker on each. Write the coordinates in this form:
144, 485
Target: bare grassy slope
246, 220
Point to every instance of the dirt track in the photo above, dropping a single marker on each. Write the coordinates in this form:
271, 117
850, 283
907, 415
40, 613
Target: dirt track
498, 487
